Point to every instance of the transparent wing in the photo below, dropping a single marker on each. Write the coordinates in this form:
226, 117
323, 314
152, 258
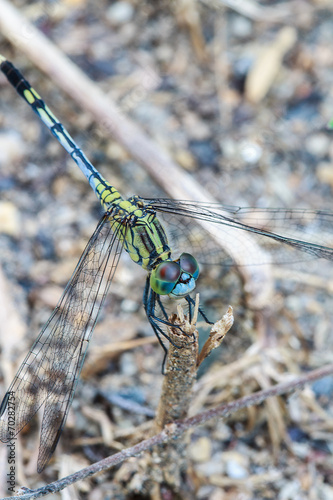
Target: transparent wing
51, 369
290, 235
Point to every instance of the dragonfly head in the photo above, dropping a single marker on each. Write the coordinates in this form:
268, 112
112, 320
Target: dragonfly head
175, 277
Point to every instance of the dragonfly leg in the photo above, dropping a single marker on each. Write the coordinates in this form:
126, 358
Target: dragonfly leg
191, 303
158, 298
149, 301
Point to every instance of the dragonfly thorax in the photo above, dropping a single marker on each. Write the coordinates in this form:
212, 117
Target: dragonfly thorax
175, 278
142, 233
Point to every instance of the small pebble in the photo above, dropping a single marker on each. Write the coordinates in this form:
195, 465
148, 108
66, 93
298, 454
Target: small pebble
63, 271
129, 305
201, 450
241, 27
185, 159
9, 219
236, 470
204, 492
49, 295
325, 173
325, 491
251, 152
127, 364
120, 13
214, 466
115, 151
229, 148
236, 464
318, 144
198, 130
204, 152
323, 386
12, 148
300, 450
218, 494
290, 490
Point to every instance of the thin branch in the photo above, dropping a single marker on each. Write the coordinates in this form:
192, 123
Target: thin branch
181, 370
187, 15
168, 462
174, 430
253, 10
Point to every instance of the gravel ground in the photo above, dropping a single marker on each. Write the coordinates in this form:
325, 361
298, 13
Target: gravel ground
241, 102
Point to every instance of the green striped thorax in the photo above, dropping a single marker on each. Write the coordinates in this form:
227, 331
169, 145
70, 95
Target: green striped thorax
144, 237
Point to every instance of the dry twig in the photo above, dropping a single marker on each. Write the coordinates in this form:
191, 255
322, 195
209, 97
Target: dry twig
168, 463
187, 15
253, 10
264, 71
216, 336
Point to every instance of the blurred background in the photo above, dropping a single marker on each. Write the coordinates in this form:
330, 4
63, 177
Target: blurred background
239, 95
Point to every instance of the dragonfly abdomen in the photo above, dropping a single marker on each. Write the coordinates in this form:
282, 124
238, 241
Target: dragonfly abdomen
106, 193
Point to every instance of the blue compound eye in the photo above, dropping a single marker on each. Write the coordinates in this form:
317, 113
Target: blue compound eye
164, 277
189, 265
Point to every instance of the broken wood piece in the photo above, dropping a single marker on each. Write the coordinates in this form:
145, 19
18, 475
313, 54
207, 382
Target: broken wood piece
217, 334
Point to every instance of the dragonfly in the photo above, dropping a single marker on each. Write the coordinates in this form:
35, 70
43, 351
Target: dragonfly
50, 371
